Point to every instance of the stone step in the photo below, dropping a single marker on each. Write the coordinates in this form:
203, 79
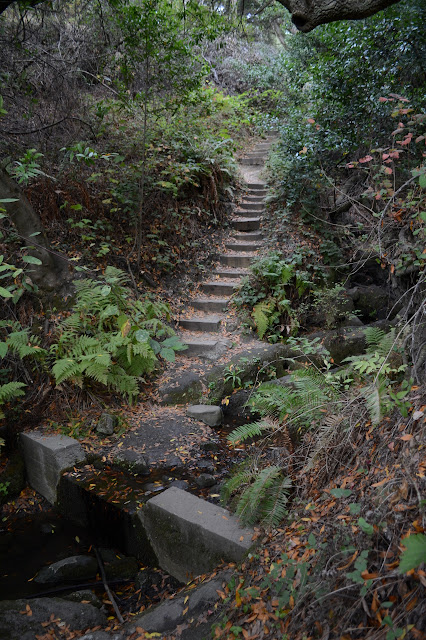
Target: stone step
199, 347
210, 304
246, 235
256, 185
244, 213
219, 288
252, 206
259, 193
236, 259
231, 273
263, 146
201, 323
252, 161
191, 536
243, 246
246, 224
255, 199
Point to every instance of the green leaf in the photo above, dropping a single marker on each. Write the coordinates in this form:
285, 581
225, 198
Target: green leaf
168, 354
414, 554
31, 260
340, 493
9, 200
354, 508
422, 181
3, 349
105, 291
365, 526
5, 293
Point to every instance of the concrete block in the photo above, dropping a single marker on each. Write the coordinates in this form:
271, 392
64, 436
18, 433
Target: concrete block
46, 458
209, 414
191, 536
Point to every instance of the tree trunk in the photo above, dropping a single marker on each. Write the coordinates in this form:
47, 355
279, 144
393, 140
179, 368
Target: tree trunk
53, 273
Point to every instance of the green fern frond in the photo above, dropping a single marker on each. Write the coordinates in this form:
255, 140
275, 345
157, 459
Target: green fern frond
261, 316
65, 369
274, 507
246, 431
329, 431
241, 477
11, 390
249, 503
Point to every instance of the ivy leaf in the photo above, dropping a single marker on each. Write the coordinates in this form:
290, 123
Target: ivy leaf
340, 493
365, 526
414, 554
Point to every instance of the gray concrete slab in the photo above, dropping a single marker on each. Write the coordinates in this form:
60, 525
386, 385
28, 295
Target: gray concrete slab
191, 536
246, 224
202, 323
236, 259
46, 458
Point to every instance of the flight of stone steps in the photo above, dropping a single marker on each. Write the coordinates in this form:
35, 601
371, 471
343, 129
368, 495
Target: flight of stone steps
201, 326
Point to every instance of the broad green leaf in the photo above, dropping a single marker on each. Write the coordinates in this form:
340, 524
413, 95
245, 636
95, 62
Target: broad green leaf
422, 181
168, 354
5, 293
340, 493
354, 508
414, 554
3, 349
9, 200
31, 260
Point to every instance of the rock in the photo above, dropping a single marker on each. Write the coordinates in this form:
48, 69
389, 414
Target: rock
234, 406
352, 321
210, 447
209, 414
106, 424
191, 536
132, 461
372, 301
46, 459
148, 579
70, 569
205, 480
118, 565
207, 465
331, 309
187, 388
85, 596
12, 477
170, 613
15, 626
180, 484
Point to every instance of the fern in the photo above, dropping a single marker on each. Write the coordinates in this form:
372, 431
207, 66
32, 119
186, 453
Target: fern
247, 431
8, 392
264, 499
273, 508
328, 431
111, 339
261, 315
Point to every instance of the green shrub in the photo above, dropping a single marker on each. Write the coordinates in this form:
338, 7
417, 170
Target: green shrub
112, 339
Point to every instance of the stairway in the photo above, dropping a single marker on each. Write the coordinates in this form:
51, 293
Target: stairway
201, 328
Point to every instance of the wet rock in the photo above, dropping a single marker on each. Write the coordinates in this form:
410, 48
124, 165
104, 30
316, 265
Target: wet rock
101, 635
77, 616
207, 465
12, 478
205, 480
180, 484
234, 406
148, 579
118, 565
70, 569
85, 596
132, 461
106, 424
209, 414
210, 447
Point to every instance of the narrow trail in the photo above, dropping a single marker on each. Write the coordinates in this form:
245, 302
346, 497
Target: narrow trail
202, 327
